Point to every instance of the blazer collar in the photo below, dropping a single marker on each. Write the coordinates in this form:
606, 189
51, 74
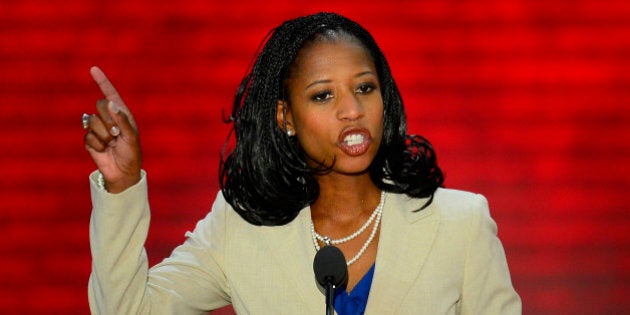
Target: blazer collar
405, 241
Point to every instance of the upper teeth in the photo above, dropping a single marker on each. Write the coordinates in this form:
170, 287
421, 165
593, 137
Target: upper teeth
353, 139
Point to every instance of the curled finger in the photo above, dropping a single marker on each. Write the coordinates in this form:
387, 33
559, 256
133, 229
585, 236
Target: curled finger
99, 129
92, 142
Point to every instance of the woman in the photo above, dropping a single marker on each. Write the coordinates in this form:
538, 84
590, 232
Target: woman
322, 157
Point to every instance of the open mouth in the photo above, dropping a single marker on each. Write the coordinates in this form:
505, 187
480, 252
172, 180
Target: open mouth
354, 139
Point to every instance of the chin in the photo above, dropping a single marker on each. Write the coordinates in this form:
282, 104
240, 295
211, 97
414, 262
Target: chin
353, 168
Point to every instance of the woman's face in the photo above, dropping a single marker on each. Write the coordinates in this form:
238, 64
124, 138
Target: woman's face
335, 105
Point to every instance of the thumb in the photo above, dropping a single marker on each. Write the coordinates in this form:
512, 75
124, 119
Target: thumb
123, 120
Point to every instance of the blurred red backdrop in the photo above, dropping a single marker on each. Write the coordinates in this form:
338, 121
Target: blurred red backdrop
526, 102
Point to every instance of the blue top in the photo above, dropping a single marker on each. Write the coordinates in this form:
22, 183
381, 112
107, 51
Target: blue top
356, 301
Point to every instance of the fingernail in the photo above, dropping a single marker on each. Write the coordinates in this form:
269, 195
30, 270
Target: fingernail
112, 143
115, 131
113, 107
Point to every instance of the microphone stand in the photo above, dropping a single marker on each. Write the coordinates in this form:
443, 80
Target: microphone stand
330, 295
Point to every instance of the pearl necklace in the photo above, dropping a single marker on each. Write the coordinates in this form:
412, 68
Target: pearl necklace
376, 214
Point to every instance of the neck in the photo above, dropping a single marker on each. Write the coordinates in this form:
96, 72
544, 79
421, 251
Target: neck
345, 197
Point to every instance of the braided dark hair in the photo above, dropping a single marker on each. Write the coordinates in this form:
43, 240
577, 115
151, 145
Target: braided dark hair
265, 178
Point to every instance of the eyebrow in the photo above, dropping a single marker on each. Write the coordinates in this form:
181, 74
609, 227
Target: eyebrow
363, 73
328, 81
317, 82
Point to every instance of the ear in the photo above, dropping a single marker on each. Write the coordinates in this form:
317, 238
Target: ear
284, 118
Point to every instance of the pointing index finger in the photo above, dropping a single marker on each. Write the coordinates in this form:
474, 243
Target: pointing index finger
111, 94
105, 85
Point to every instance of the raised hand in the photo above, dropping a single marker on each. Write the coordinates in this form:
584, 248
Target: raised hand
112, 138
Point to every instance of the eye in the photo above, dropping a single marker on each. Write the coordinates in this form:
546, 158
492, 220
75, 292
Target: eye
365, 88
322, 96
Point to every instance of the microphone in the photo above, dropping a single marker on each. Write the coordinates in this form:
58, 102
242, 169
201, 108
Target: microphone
331, 271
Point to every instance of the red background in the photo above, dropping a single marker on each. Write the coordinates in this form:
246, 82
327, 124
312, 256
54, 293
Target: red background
525, 101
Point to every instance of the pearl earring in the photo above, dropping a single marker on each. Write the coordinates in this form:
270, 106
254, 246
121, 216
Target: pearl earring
290, 133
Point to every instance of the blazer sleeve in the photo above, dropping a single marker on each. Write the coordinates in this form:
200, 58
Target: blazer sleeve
487, 288
190, 281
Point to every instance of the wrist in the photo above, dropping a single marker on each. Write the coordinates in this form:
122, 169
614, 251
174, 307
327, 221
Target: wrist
118, 186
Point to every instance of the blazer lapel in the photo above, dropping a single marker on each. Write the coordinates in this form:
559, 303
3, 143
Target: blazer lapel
293, 249
406, 238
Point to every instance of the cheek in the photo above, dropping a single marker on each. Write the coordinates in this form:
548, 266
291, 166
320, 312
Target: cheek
316, 136
376, 117
312, 122
313, 134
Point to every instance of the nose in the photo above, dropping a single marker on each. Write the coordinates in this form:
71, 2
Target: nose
349, 107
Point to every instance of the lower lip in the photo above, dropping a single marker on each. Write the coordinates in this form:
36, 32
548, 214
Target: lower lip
355, 150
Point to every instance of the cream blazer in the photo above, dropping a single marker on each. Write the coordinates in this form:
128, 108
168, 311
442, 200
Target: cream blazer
445, 259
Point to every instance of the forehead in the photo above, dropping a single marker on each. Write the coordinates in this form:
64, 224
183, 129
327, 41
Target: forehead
330, 54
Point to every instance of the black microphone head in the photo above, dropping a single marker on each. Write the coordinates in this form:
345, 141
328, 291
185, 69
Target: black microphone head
330, 266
